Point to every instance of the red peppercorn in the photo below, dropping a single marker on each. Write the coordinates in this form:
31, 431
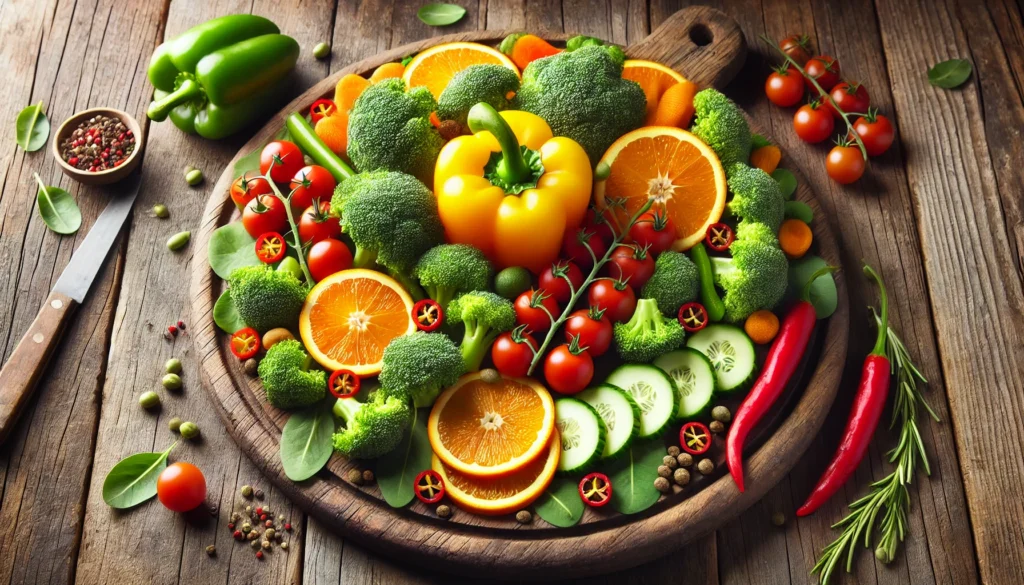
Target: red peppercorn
181, 325
288, 526
259, 510
172, 330
237, 534
231, 525
263, 516
259, 555
97, 141
73, 161
269, 524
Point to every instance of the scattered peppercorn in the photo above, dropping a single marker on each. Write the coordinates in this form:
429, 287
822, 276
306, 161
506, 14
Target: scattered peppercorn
270, 534
263, 517
171, 381
98, 144
354, 476
237, 534
235, 517
172, 366
664, 471
269, 523
284, 546
247, 493
684, 460
259, 555
490, 375
258, 493
721, 414
255, 534
779, 519
280, 518
368, 476
193, 176
450, 129
288, 526
681, 477
149, 400
189, 430
212, 509
716, 426
673, 451
178, 241
248, 509
160, 210
246, 528
670, 461
266, 545
443, 511
231, 526
251, 367
524, 517
211, 550
321, 51
705, 466
661, 484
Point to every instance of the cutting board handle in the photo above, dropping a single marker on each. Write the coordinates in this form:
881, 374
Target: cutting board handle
702, 43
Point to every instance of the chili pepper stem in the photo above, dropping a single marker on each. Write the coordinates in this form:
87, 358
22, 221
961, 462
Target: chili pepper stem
160, 109
883, 326
512, 167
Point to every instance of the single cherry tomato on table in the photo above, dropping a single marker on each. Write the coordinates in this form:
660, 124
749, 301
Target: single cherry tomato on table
245, 343
825, 70
851, 98
813, 122
655, 230
798, 47
615, 297
553, 280
280, 160
845, 163
327, 257
265, 213
247, 187
569, 368
875, 131
181, 487
574, 247
632, 263
316, 225
785, 87
591, 328
536, 309
321, 109
310, 184
270, 247
513, 352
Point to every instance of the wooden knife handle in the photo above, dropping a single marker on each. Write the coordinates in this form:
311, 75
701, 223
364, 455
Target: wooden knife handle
20, 374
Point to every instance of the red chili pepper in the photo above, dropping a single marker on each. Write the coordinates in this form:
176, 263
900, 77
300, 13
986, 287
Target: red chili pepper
270, 247
695, 438
427, 314
719, 237
429, 487
344, 383
595, 489
321, 109
783, 358
693, 317
867, 409
245, 343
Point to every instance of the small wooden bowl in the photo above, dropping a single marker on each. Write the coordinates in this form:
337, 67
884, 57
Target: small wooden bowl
100, 177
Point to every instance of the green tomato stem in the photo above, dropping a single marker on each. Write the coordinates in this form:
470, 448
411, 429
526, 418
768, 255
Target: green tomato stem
512, 168
295, 243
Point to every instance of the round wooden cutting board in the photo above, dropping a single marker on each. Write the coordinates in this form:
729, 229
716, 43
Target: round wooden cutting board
707, 47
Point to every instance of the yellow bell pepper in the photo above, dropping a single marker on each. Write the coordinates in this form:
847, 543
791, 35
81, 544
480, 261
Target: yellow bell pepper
513, 203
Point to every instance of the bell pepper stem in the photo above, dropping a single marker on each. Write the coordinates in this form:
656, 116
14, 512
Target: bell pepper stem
883, 326
161, 108
512, 168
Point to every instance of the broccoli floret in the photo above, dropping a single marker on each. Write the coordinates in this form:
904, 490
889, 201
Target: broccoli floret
449, 269
580, 41
674, 283
756, 196
372, 428
486, 316
491, 84
266, 298
581, 94
755, 277
721, 124
287, 379
416, 367
390, 129
392, 219
648, 334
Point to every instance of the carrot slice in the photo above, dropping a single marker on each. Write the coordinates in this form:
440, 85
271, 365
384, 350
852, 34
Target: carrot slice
675, 108
766, 158
387, 71
348, 90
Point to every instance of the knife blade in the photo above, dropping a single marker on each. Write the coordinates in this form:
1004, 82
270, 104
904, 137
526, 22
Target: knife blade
22, 371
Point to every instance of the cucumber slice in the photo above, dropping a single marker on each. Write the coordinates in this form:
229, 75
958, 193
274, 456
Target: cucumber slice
731, 353
652, 390
581, 432
694, 377
619, 415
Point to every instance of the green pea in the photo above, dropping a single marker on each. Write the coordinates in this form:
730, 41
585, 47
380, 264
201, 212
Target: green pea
321, 51
799, 210
173, 366
174, 424
189, 430
602, 172
193, 176
512, 281
172, 382
178, 241
291, 266
149, 400
160, 210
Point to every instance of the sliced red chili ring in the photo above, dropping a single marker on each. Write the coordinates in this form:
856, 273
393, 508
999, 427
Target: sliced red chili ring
270, 247
429, 487
595, 490
719, 237
344, 383
427, 314
695, 438
321, 109
245, 343
693, 317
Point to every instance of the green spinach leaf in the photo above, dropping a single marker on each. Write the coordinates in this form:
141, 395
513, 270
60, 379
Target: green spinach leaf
439, 14
950, 74
33, 128
633, 477
133, 480
823, 296
560, 505
58, 209
787, 182
225, 315
306, 442
248, 163
397, 469
231, 247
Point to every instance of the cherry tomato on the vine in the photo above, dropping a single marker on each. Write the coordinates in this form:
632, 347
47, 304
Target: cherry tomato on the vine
845, 163
851, 98
813, 122
785, 87
552, 281
512, 352
281, 159
574, 249
247, 187
181, 487
875, 131
316, 225
631, 263
798, 47
530, 310
616, 298
568, 368
309, 184
592, 328
655, 230
595, 223
265, 213
327, 257
825, 70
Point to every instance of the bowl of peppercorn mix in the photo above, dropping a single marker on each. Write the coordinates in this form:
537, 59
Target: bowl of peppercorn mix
98, 146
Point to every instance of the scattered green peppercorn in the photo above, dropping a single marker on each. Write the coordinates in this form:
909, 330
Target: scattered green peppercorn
778, 519
284, 546
882, 556
189, 430
171, 381
160, 210
684, 459
321, 51
524, 517
705, 466
193, 176
354, 476
664, 471
211, 550
149, 400
247, 491
669, 461
174, 424
490, 375
716, 426
681, 477
173, 366
246, 528
673, 451
178, 241
443, 511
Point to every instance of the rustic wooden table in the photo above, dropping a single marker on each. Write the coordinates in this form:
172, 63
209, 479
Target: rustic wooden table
940, 214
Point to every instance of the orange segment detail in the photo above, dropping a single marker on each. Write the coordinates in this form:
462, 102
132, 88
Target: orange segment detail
436, 66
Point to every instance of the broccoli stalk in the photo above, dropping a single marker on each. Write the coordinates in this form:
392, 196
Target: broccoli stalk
418, 366
449, 269
287, 380
648, 334
486, 316
755, 277
372, 428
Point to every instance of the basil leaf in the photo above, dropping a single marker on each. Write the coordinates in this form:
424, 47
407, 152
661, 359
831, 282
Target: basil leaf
823, 296
396, 470
439, 14
950, 74
799, 210
248, 163
633, 477
133, 480
231, 247
225, 315
33, 128
560, 505
786, 181
306, 442
58, 209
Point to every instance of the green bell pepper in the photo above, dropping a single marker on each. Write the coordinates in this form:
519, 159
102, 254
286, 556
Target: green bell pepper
217, 77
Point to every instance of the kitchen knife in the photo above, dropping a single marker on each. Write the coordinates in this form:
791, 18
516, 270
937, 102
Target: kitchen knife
21, 373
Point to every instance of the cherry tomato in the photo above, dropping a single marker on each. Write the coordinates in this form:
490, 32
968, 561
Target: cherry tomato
529, 310
875, 131
592, 328
654, 230
631, 263
555, 285
181, 487
247, 187
567, 369
845, 163
616, 299
281, 159
245, 343
851, 98
594, 223
309, 184
825, 70
265, 213
575, 251
270, 247
785, 87
327, 257
512, 353
320, 110
798, 47
813, 122
317, 225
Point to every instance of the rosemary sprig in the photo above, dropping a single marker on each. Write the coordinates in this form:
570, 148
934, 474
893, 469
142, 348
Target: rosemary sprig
889, 496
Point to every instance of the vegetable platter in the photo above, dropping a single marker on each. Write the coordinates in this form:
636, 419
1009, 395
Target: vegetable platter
708, 49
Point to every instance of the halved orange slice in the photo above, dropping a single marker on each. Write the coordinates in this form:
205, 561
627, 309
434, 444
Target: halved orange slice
351, 316
502, 495
676, 170
654, 79
490, 430
436, 66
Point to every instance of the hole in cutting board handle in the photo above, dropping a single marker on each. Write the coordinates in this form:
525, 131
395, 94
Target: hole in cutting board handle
701, 35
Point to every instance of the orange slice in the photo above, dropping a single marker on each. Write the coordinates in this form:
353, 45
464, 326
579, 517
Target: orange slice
674, 168
490, 430
351, 316
503, 495
654, 79
436, 66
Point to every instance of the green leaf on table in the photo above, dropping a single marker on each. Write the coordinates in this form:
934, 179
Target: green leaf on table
397, 469
950, 74
306, 442
231, 247
440, 14
133, 480
58, 209
823, 296
786, 181
248, 163
560, 505
633, 477
32, 127
225, 315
